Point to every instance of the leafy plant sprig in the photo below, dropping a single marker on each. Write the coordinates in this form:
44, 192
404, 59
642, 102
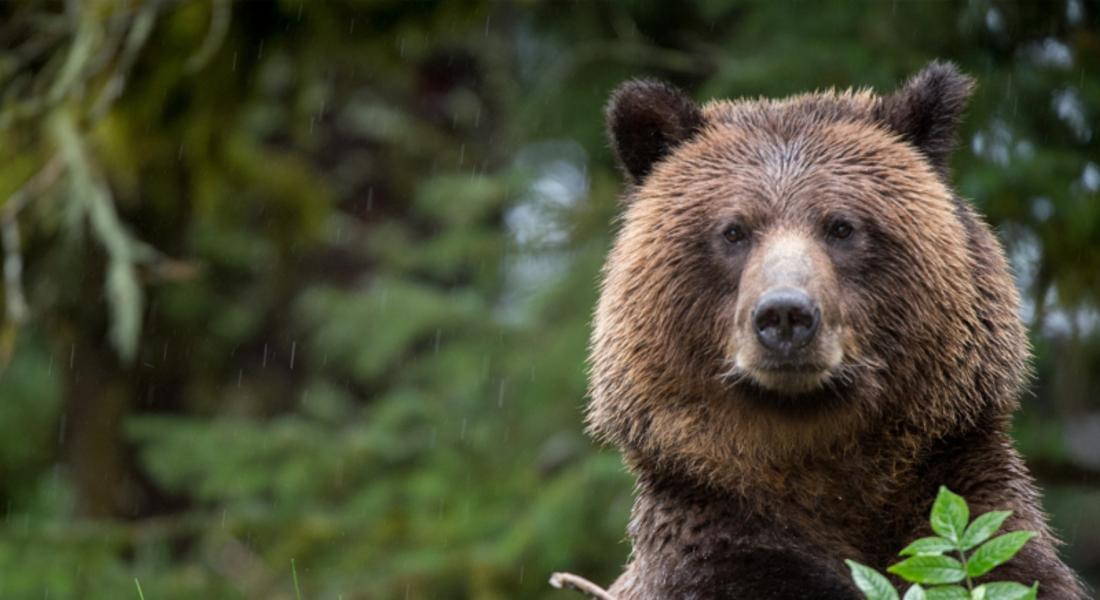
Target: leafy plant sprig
947, 577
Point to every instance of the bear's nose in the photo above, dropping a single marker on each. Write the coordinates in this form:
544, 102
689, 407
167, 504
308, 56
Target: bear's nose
785, 319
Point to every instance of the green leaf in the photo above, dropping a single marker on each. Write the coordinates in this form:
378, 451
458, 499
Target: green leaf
1006, 590
915, 592
949, 515
983, 527
946, 592
929, 569
873, 584
996, 551
928, 546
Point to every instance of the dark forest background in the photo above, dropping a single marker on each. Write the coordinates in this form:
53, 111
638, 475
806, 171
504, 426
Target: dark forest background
311, 281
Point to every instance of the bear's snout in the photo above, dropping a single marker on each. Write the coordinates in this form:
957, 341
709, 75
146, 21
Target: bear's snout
785, 320
788, 324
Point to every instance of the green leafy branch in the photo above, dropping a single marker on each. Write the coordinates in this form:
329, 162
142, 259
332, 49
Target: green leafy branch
929, 562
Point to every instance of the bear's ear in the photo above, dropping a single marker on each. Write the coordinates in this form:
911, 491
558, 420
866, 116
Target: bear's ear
645, 121
926, 111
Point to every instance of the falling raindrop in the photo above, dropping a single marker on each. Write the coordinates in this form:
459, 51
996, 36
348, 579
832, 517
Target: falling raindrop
293, 351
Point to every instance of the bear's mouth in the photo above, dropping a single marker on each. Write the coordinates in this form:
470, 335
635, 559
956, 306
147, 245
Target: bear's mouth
789, 377
830, 393
792, 368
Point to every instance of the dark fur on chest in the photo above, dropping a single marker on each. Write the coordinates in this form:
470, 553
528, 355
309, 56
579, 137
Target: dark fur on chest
691, 543
697, 542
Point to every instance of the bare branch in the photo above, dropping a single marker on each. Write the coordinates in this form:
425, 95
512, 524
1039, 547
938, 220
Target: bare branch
219, 25
13, 272
569, 581
140, 28
16, 302
38, 183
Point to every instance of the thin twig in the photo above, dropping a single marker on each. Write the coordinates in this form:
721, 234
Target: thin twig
44, 178
13, 272
86, 34
16, 301
564, 581
140, 28
219, 26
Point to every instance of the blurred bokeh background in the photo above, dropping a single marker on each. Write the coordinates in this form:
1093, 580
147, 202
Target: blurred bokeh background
311, 281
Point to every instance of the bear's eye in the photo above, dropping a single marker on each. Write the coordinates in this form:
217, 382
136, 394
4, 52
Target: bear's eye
840, 230
735, 234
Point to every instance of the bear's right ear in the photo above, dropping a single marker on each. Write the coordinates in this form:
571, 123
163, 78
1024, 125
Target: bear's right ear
646, 120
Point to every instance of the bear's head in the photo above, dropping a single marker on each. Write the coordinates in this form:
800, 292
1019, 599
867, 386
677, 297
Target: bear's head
792, 274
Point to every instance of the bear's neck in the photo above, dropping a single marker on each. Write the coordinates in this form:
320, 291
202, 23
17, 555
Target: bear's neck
848, 499
866, 469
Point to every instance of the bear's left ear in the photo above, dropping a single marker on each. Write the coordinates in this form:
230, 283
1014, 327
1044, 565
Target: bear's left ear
926, 111
646, 120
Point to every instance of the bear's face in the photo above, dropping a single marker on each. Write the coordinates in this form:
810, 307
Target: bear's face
783, 271
798, 235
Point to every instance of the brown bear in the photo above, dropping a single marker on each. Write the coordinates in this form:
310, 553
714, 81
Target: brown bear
802, 333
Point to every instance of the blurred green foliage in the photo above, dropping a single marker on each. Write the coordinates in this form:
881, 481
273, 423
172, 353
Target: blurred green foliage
312, 281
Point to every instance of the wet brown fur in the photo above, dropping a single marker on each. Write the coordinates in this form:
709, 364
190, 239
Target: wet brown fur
735, 495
